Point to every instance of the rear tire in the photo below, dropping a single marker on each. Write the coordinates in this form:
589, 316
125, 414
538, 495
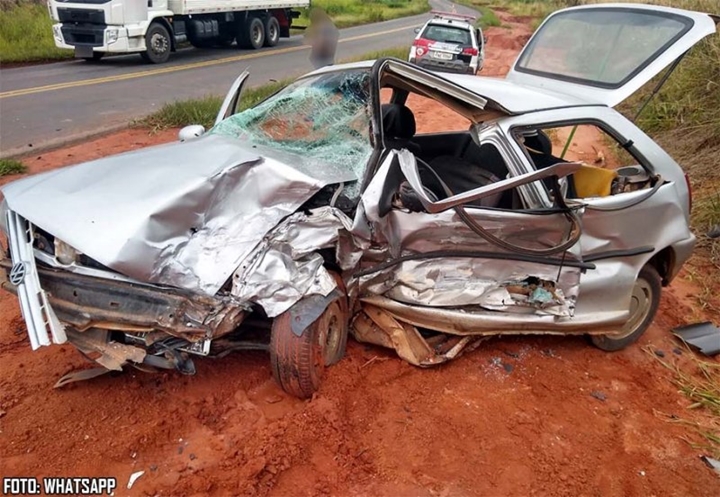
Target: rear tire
298, 362
251, 33
643, 307
272, 31
158, 43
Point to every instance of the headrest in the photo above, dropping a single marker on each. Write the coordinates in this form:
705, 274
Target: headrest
398, 122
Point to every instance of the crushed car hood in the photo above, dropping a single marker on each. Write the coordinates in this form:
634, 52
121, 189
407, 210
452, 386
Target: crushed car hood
184, 214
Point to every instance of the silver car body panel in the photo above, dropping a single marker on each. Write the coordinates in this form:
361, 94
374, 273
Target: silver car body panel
170, 215
660, 222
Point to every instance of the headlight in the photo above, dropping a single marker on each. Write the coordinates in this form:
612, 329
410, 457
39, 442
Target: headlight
64, 253
111, 35
57, 32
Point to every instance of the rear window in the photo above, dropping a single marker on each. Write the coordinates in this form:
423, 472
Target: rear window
447, 34
601, 47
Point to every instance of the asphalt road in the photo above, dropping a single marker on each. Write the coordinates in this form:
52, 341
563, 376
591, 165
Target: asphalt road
49, 104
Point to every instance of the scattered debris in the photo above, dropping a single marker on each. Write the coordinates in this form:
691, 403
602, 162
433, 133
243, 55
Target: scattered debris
273, 399
677, 351
2, 413
641, 473
180, 450
711, 463
659, 353
598, 395
703, 336
508, 367
133, 478
153, 467
193, 457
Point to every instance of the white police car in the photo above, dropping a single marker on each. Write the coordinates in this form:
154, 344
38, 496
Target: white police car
449, 43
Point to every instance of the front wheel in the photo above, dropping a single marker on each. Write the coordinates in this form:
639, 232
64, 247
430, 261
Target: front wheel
157, 41
644, 304
298, 362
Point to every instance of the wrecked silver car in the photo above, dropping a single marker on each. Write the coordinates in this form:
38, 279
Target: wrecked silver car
322, 211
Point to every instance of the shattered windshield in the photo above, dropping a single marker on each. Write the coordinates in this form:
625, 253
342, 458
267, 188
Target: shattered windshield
325, 119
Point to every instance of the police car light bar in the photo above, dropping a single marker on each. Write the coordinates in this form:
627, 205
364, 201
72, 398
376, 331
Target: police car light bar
452, 15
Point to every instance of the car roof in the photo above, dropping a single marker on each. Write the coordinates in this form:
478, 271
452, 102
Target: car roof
449, 22
513, 97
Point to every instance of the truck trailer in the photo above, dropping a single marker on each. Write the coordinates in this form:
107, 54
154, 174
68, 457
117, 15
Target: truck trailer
154, 28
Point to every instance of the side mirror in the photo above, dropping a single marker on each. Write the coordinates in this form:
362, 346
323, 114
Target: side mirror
190, 132
417, 30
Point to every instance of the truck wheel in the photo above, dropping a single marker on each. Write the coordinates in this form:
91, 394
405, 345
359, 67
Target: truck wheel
643, 307
298, 362
272, 31
157, 41
251, 33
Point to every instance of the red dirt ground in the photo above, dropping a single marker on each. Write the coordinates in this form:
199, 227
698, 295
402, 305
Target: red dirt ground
521, 416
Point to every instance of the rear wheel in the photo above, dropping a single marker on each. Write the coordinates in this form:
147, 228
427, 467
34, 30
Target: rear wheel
643, 307
298, 362
157, 41
272, 31
251, 33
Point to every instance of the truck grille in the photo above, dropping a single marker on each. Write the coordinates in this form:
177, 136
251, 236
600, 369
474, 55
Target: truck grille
81, 16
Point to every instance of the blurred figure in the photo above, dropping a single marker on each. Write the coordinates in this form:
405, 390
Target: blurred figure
323, 37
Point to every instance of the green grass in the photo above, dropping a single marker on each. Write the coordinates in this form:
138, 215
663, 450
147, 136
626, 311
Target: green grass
487, 17
347, 13
26, 34
203, 110
11, 166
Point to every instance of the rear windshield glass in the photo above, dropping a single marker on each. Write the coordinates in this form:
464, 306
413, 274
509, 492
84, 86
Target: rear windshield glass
447, 34
601, 47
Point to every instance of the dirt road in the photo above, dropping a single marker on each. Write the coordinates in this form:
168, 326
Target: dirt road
521, 416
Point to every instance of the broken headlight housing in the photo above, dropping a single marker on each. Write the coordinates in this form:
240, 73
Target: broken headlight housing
64, 253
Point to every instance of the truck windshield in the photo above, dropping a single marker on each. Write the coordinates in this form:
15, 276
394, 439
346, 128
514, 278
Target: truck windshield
323, 119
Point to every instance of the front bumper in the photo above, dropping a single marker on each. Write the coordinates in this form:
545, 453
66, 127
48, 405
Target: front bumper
52, 299
98, 38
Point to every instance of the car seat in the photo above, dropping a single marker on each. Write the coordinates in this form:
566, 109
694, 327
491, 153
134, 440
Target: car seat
399, 128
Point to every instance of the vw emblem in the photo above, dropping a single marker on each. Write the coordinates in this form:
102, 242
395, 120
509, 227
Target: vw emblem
17, 273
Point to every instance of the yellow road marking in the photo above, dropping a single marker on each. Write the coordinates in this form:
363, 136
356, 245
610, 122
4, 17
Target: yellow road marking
165, 70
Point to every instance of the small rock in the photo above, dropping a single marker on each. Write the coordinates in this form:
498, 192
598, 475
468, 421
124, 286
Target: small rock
2, 413
273, 399
180, 450
193, 457
514, 355
659, 353
153, 467
599, 395
642, 473
677, 351
508, 367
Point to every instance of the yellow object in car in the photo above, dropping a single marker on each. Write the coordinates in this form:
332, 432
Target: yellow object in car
591, 181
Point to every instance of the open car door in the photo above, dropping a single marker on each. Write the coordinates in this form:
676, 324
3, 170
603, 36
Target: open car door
604, 53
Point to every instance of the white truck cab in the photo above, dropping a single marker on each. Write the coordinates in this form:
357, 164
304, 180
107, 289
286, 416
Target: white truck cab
153, 28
